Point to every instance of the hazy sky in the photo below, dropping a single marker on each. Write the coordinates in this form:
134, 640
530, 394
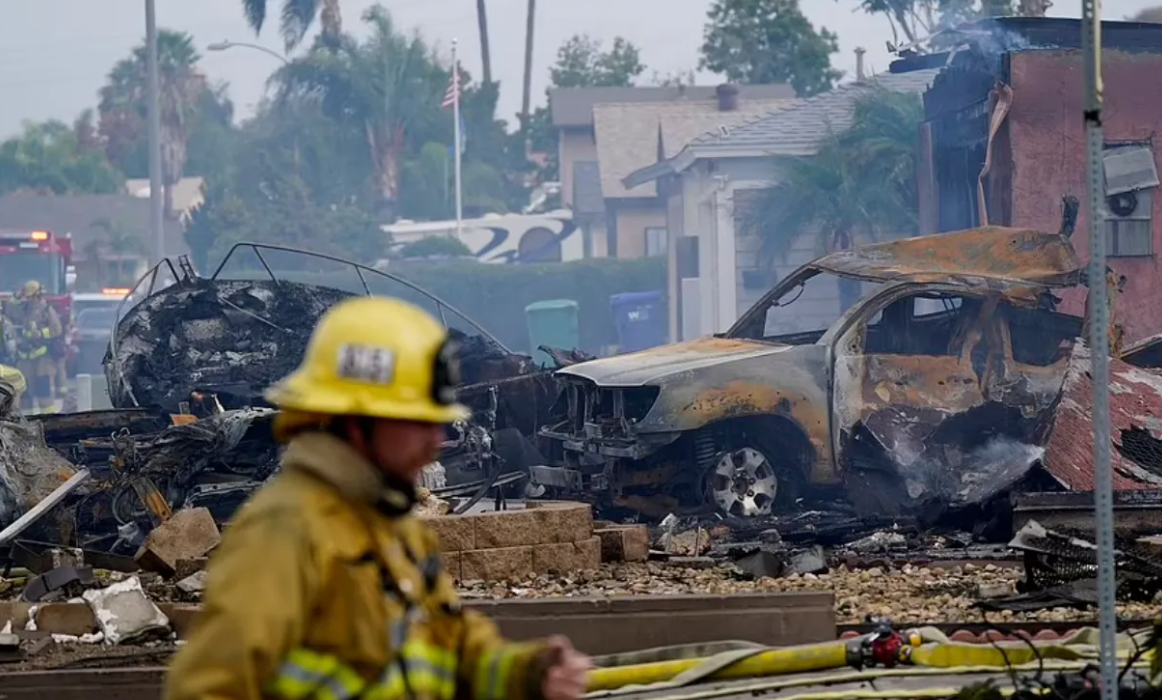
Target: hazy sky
54, 53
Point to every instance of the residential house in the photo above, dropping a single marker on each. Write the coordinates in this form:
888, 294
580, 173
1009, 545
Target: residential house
1024, 76
187, 193
607, 132
714, 268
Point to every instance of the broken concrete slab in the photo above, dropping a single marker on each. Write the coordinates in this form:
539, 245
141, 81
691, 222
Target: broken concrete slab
65, 618
193, 584
626, 543
124, 613
812, 560
189, 534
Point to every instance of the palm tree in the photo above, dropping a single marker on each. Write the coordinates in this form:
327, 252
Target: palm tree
384, 87
860, 184
297, 18
123, 104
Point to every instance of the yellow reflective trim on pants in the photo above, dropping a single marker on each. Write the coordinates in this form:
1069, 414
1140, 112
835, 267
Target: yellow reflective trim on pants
306, 674
492, 675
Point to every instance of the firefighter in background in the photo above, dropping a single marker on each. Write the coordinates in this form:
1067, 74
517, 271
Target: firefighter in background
326, 585
37, 326
12, 384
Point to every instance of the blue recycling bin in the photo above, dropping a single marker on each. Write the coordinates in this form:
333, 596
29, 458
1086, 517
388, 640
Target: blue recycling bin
641, 319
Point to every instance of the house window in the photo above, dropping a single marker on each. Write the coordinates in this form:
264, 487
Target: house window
656, 238
1131, 177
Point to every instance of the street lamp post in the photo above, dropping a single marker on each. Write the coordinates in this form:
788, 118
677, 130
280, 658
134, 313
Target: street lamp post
153, 108
225, 45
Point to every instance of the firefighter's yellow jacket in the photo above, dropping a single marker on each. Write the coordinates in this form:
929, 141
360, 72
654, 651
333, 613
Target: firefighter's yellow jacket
297, 605
40, 330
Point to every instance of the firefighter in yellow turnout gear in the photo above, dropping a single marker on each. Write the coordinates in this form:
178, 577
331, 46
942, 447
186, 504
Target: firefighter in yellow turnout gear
325, 585
38, 328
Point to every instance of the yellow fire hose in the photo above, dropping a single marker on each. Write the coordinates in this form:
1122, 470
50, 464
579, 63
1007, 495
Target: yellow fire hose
936, 651
770, 662
850, 677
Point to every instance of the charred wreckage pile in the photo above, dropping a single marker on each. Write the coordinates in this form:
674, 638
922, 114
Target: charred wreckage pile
954, 394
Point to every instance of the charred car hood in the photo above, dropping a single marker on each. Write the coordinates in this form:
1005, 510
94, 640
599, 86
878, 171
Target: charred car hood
648, 366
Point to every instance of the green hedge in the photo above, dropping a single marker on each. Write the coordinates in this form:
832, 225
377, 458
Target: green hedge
495, 295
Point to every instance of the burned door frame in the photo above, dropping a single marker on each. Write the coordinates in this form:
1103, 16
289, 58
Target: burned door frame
963, 379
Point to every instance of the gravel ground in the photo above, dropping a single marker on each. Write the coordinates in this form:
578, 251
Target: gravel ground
911, 594
907, 595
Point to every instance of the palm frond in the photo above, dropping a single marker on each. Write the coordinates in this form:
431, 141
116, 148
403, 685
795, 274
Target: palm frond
255, 13
297, 17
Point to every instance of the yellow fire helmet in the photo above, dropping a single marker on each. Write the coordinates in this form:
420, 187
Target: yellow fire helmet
375, 357
31, 288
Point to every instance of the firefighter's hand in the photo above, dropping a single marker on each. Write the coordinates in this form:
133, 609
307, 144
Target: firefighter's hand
568, 673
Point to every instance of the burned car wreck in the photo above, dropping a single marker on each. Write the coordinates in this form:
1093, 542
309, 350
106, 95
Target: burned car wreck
939, 383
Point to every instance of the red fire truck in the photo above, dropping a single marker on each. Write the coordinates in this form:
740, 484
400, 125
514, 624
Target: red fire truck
42, 256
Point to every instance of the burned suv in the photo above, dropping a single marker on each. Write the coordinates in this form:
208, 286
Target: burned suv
925, 352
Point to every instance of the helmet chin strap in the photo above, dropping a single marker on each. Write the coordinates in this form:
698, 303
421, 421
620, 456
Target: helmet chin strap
399, 494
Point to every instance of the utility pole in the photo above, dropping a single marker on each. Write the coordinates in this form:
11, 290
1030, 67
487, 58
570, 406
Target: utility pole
153, 95
530, 27
1099, 343
485, 51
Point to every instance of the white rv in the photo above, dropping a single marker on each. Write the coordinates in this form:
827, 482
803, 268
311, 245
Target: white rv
504, 238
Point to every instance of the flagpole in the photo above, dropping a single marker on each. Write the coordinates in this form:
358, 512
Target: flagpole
456, 141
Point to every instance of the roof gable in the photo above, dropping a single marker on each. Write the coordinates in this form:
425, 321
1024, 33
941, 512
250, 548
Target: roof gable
629, 136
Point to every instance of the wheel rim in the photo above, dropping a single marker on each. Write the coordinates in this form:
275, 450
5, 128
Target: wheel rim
743, 483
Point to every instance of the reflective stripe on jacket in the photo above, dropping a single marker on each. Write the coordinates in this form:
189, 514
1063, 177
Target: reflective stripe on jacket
314, 593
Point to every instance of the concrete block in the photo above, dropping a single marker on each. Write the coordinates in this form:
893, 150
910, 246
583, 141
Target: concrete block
181, 616
457, 533
587, 554
451, 563
565, 522
508, 528
65, 618
624, 543
556, 558
15, 612
189, 534
496, 564
124, 613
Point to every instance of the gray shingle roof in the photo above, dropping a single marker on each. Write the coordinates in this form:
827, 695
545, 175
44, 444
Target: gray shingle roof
574, 106
627, 134
798, 129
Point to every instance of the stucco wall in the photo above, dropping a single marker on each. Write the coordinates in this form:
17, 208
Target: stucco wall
572, 146
633, 218
1048, 155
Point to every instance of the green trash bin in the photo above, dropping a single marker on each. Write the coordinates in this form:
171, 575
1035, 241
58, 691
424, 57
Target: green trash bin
552, 322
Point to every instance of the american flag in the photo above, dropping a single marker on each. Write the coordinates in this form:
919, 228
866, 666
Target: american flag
452, 96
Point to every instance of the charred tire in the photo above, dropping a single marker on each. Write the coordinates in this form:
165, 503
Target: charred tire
757, 467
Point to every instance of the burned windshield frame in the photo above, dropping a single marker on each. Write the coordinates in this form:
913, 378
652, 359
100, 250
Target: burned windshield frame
833, 296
